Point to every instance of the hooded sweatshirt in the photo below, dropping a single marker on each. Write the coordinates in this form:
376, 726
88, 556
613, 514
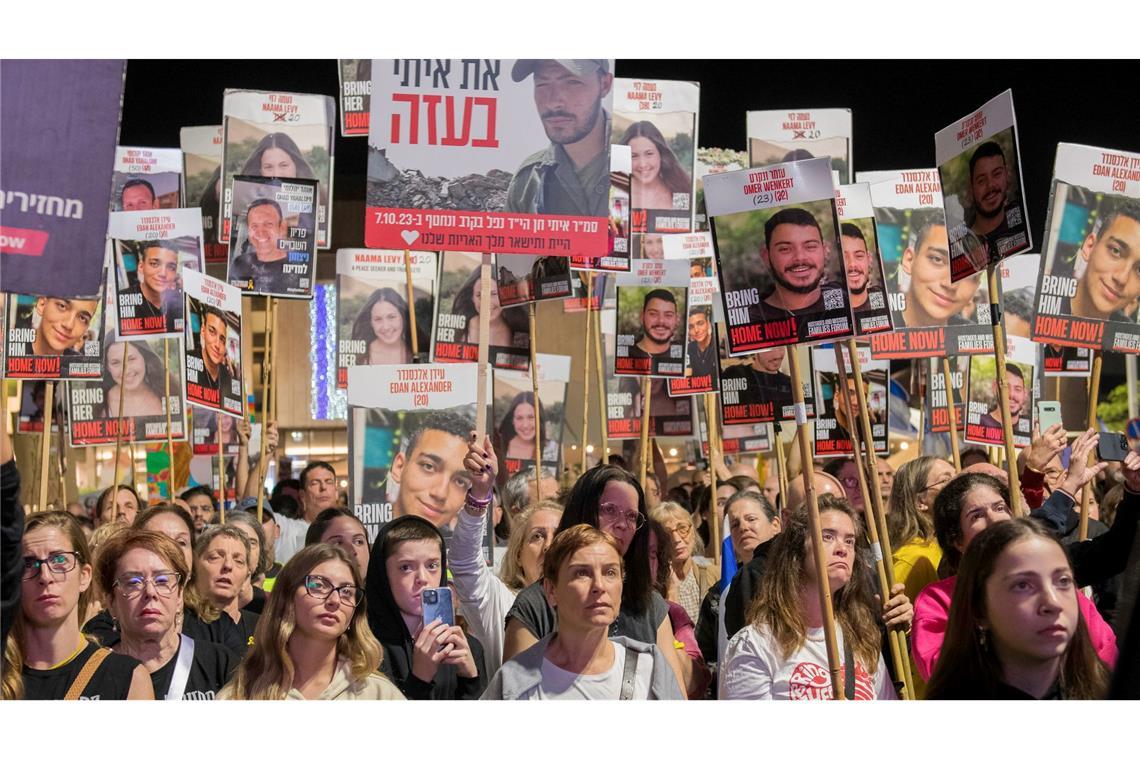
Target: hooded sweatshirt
388, 626
343, 687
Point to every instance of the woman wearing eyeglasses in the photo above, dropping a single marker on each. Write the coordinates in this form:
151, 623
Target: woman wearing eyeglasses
608, 498
47, 657
910, 522
143, 575
313, 642
693, 578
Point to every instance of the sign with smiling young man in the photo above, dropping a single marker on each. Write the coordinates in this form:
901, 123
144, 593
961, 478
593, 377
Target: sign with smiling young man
409, 427
1089, 287
779, 255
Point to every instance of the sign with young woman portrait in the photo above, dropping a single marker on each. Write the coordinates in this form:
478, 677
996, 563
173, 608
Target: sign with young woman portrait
618, 255
489, 155
1089, 289
408, 430
212, 344
151, 251
514, 414
982, 190
861, 259
657, 119
278, 134
932, 315
373, 323
983, 402
202, 183
776, 137
135, 381
458, 310
204, 432
273, 236
146, 179
51, 338
837, 412
779, 255
652, 309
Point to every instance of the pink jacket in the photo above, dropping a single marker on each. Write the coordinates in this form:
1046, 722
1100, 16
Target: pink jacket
932, 611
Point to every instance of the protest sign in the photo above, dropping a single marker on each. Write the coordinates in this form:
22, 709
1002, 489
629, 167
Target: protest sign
278, 134
56, 154
50, 338
273, 234
779, 255
620, 237
1089, 286
355, 95
713, 161
982, 190
30, 418
146, 179
758, 387
526, 279
983, 413
408, 430
212, 344
776, 137
861, 260
835, 420
657, 119
151, 251
652, 304
932, 316
515, 418
202, 183
373, 325
458, 312
464, 155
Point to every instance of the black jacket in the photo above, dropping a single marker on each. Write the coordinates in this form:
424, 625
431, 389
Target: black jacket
11, 534
388, 626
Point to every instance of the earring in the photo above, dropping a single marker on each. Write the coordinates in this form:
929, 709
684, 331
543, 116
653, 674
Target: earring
981, 637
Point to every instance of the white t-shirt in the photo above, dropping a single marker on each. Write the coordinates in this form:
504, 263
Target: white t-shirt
754, 669
562, 684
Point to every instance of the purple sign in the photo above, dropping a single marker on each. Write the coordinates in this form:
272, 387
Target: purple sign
60, 121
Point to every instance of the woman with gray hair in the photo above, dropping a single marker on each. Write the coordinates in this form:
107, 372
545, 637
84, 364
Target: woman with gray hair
222, 565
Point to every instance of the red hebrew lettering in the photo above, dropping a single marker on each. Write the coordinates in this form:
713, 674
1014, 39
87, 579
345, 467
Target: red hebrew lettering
414, 101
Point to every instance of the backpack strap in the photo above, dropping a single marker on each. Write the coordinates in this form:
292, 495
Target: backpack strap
629, 674
87, 673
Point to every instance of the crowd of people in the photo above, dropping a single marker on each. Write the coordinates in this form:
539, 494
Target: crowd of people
599, 589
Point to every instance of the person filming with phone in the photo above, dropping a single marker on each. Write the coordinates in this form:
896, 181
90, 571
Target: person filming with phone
409, 610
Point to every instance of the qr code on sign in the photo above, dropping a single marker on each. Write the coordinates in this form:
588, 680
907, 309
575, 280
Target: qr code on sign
681, 201
832, 299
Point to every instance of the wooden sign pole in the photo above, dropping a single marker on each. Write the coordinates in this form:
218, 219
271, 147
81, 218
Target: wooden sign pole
645, 387
781, 464
833, 656
1003, 393
221, 474
266, 384
1086, 492
485, 276
918, 368
45, 444
118, 443
169, 423
531, 314
411, 317
585, 440
714, 451
950, 406
862, 437
603, 456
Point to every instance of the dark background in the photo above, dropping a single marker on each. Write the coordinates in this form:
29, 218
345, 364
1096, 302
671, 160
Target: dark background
897, 107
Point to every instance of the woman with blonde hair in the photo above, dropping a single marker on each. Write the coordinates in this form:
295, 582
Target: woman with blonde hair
47, 656
910, 522
313, 640
484, 598
222, 566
